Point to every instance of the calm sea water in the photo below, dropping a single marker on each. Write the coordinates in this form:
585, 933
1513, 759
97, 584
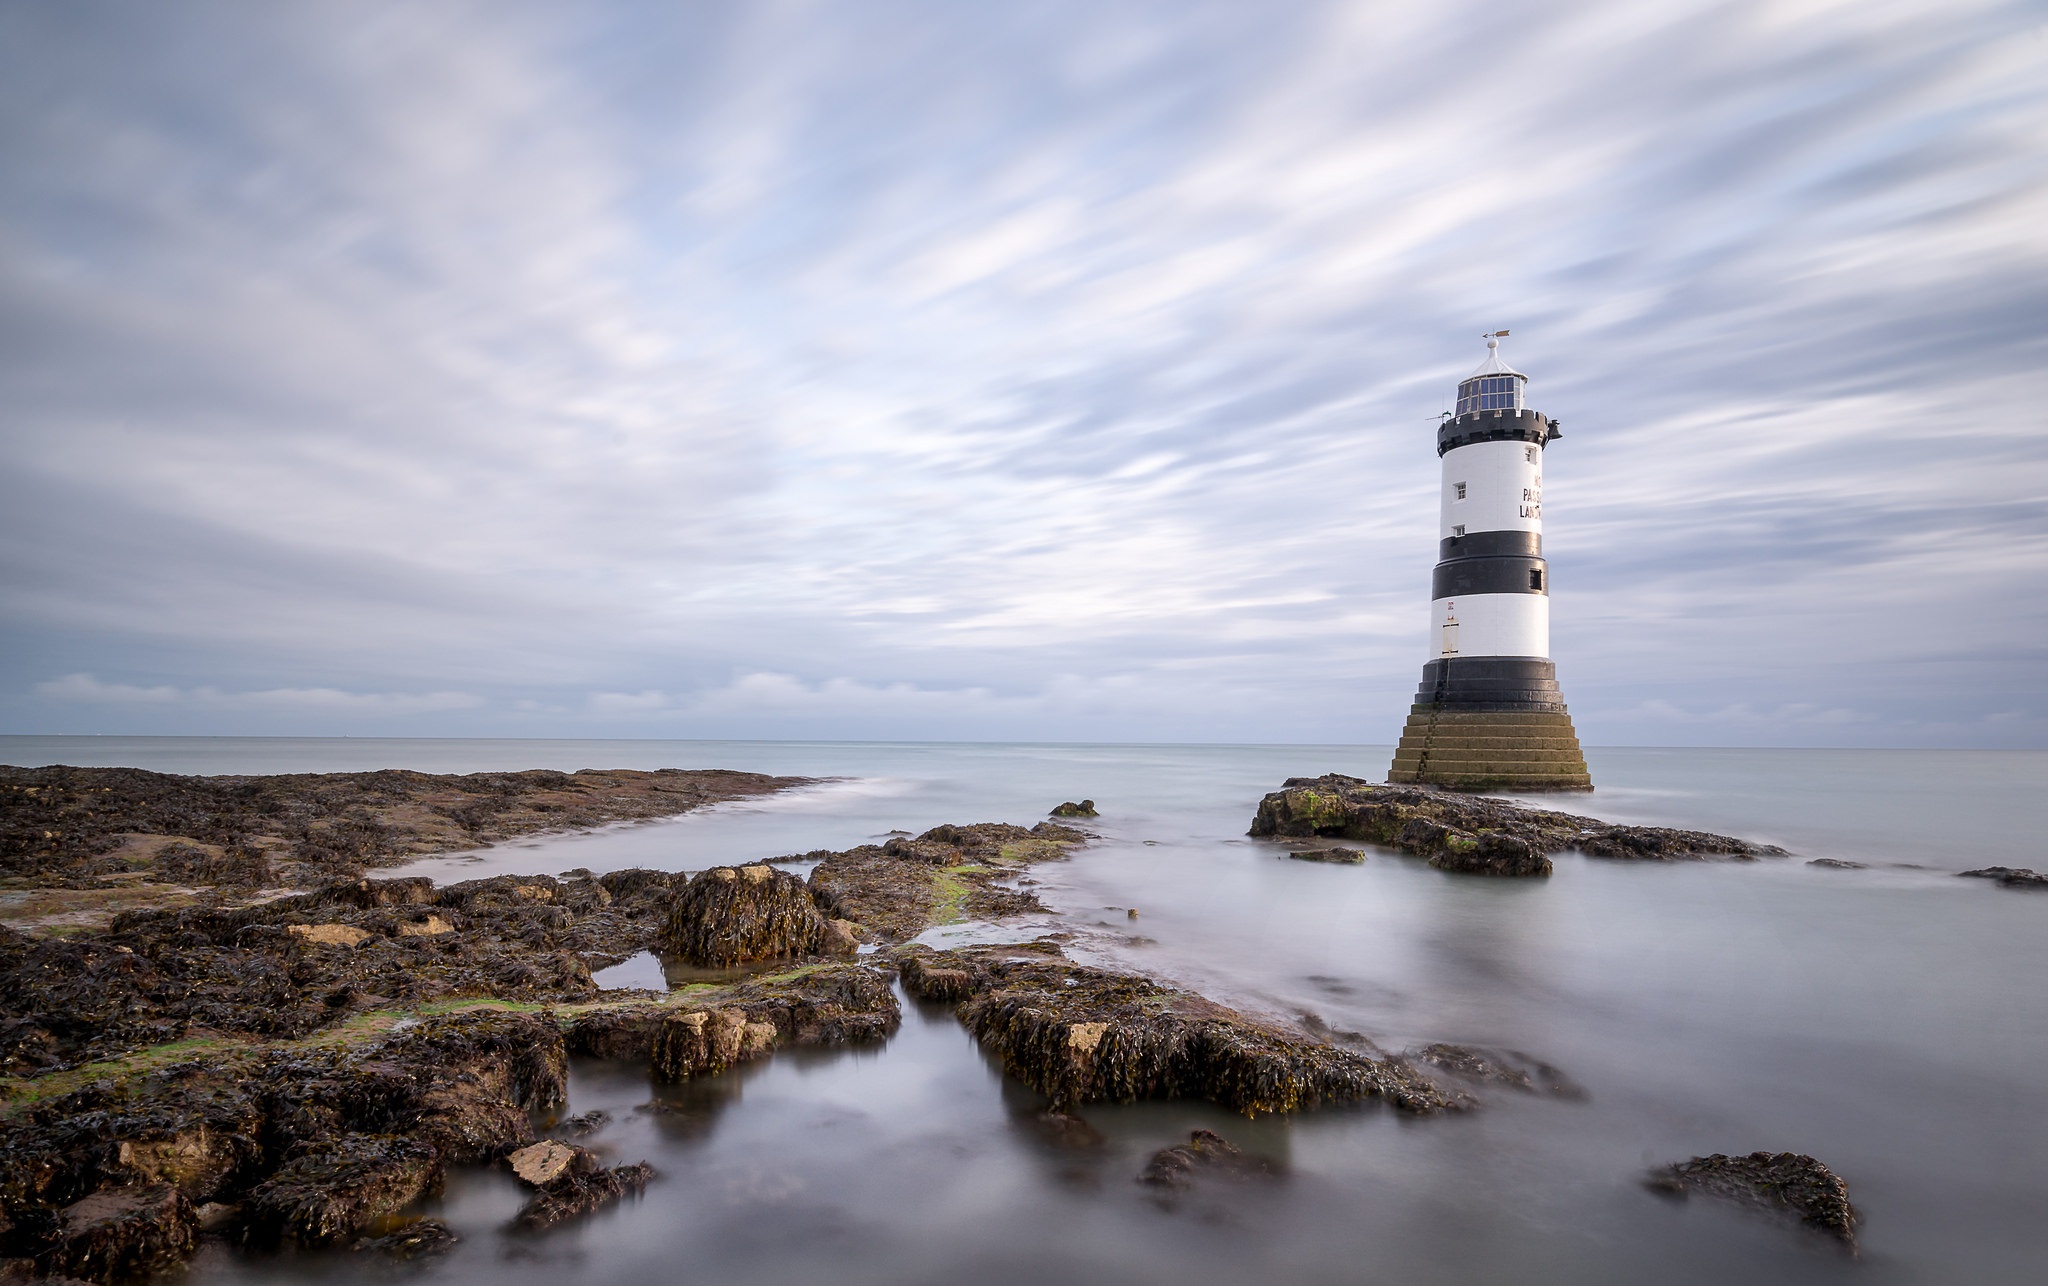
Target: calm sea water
1891, 1021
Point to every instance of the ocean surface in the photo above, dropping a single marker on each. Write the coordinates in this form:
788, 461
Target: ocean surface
1892, 1021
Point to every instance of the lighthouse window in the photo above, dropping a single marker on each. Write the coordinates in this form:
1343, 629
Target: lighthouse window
1458, 530
1535, 578
1490, 393
1461, 491
1531, 453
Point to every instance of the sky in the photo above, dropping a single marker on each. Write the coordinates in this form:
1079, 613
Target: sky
960, 371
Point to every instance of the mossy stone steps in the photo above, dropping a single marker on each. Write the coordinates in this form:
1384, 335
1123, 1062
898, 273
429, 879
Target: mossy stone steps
1490, 750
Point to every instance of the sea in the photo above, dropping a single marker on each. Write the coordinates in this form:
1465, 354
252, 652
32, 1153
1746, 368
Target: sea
1890, 1019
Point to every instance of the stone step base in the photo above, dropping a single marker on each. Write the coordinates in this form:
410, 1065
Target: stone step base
1490, 750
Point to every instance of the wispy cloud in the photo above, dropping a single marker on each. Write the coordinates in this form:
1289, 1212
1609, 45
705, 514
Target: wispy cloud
933, 361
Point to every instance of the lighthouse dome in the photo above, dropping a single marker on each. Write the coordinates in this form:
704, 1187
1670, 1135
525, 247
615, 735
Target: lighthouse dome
1495, 386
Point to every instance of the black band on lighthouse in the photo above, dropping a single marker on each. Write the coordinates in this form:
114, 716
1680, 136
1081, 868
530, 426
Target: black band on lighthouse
1489, 576
1492, 426
1491, 544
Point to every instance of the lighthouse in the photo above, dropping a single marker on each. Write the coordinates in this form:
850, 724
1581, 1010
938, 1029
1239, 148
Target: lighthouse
1489, 715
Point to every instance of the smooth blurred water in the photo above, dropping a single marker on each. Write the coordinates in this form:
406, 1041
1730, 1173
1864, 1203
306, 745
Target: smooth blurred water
1890, 1021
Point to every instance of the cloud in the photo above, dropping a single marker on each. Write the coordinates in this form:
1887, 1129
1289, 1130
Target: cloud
922, 365
84, 688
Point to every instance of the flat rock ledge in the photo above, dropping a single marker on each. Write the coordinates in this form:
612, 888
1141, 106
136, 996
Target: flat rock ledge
1473, 835
1782, 1183
1083, 1035
2010, 877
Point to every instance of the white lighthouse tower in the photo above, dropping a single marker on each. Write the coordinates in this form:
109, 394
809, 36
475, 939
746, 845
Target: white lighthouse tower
1489, 715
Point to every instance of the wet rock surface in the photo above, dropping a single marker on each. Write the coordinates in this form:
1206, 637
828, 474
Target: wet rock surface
896, 890
2010, 877
76, 827
735, 915
1837, 864
1508, 1067
1346, 856
1472, 834
254, 971
1206, 1155
1083, 1035
1784, 1183
417, 1240
1085, 808
584, 1185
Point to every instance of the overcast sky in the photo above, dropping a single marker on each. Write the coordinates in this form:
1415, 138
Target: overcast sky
1047, 371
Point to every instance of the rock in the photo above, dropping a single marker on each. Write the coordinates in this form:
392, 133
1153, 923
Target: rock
1352, 856
217, 1216
1086, 808
119, 1233
1431, 823
1780, 1182
1490, 853
585, 1123
1837, 864
1084, 1035
330, 935
896, 890
842, 938
2010, 877
332, 1191
540, 1164
733, 915
1497, 1066
582, 1188
420, 1239
1206, 1154
431, 926
1661, 844
700, 1042
837, 1004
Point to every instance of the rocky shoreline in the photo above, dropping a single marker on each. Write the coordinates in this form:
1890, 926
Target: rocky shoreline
300, 1071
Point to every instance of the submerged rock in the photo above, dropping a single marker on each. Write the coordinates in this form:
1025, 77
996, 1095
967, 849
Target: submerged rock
1497, 1066
732, 915
1086, 808
2010, 877
1083, 1035
1837, 864
1206, 1154
420, 1239
896, 890
1786, 1183
1351, 856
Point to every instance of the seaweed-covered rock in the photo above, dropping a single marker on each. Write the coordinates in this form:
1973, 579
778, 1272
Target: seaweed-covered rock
731, 915
1662, 844
1346, 856
1837, 864
896, 890
1786, 1183
2010, 877
1085, 808
420, 1239
331, 1191
1206, 1154
119, 1233
842, 1004
583, 1186
1432, 823
1490, 853
1497, 1066
1083, 1035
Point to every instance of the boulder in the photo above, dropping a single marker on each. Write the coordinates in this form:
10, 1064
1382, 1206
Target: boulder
582, 1187
1785, 1183
1086, 808
540, 1164
332, 1191
1490, 853
119, 1233
420, 1239
734, 915
700, 1042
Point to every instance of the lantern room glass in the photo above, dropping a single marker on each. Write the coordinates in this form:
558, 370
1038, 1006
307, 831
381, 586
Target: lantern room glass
1490, 393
